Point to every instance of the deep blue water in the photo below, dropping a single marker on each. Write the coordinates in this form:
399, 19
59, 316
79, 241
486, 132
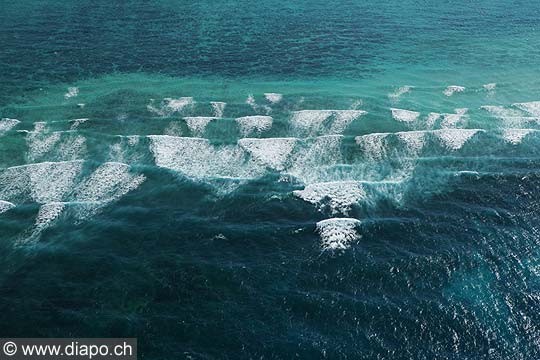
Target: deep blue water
273, 180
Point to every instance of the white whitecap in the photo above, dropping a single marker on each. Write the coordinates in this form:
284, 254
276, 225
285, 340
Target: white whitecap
310, 121
198, 159
341, 194
431, 119
454, 139
373, 145
218, 107
272, 152
72, 92
7, 124
450, 90
396, 95
516, 136
533, 107
342, 119
108, 183
170, 106
75, 123
404, 115
197, 124
414, 140
450, 121
338, 233
273, 98
256, 123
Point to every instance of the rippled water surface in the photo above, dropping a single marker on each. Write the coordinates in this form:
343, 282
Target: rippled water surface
273, 180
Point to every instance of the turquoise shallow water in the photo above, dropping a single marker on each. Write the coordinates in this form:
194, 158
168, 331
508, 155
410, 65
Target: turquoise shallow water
342, 180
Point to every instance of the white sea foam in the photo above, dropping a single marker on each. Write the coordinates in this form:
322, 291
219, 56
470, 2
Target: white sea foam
451, 121
72, 148
342, 119
404, 115
373, 145
7, 124
533, 107
251, 102
171, 106
310, 121
108, 182
454, 139
52, 181
174, 129
414, 140
40, 144
490, 86
218, 107
516, 136
501, 112
396, 95
41, 183
432, 119
67, 145
14, 183
75, 123
274, 98
271, 152
338, 233
257, 123
341, 194
450, 90
198, 159
47, 214
511, 117
5, 206
316, 154
72, 92
197, 124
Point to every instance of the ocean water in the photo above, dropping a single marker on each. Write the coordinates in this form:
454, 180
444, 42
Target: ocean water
273, 180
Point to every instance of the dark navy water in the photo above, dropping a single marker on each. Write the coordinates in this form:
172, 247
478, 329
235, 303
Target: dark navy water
273, 180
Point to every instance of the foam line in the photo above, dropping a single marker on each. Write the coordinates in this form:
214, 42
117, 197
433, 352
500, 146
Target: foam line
5, 206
